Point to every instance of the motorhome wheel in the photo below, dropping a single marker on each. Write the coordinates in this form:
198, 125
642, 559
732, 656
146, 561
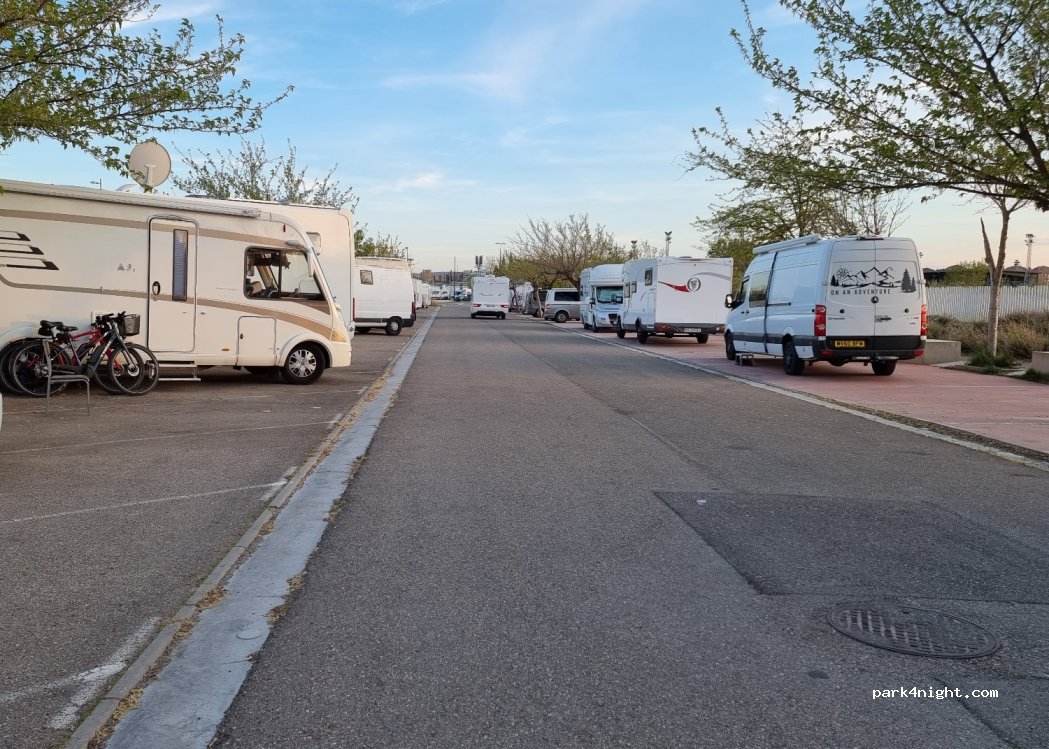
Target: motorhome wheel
305, 364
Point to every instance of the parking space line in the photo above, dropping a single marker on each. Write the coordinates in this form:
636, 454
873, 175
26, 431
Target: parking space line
158, 500
181, 435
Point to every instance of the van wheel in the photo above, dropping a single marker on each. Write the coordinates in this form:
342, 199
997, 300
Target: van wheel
473, 316
393, 326
668, 334
586, 325
620, 333
561, 316
702, 337
883, 367
362, 330
730, 348
792, 363
595, 329
305, 364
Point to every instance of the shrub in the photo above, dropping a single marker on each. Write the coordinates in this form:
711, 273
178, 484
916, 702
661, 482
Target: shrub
997, 362
1018, 334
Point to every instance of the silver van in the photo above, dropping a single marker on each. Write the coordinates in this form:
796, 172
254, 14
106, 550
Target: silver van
561, 305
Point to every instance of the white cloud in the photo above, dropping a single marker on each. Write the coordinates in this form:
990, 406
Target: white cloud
176, 11
432, 180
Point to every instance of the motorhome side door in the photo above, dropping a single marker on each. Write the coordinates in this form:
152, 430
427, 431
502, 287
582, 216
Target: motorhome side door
172, 310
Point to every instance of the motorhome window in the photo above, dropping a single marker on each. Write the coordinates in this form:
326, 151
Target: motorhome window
279, 274
609, 294
179, 265
366, 277
633, 287
648, 277
759, 286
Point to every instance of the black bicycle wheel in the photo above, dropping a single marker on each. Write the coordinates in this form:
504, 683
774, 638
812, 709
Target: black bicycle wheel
6, 384
28, 370
134, 369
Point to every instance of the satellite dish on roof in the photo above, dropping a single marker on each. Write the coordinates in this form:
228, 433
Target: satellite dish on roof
149, 163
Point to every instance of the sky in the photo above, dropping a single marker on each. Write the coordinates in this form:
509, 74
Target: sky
458, 121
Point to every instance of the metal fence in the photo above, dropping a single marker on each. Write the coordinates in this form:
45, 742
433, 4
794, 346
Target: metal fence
969, 303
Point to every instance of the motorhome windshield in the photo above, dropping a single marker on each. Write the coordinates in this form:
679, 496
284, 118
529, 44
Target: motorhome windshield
609, 294
279, 274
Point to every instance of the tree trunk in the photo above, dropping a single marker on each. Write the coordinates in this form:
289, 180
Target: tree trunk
996, 266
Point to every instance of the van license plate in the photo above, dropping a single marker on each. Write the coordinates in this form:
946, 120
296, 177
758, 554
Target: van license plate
849, 344
691, 330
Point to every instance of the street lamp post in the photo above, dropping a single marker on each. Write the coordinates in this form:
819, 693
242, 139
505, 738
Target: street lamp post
667, 253
1029, 239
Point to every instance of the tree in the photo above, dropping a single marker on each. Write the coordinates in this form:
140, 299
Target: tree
784, 187
940, 94
966, 273
560, 250
68, 72
252, 174
378, 246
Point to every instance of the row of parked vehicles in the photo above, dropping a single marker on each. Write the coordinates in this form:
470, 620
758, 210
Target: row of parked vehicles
837, 300
252, 284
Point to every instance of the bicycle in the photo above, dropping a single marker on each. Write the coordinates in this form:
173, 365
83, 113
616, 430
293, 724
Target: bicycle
116, 366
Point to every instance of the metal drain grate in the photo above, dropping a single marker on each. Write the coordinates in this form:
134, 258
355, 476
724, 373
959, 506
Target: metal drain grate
905, 629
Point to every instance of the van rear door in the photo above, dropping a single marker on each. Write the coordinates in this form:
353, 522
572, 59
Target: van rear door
852, 294
897, 317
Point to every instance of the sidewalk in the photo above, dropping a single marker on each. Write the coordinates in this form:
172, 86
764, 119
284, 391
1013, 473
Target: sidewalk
998, 408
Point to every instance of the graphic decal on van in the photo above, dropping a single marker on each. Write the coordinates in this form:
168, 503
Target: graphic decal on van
14, 245
872, 280
693, 284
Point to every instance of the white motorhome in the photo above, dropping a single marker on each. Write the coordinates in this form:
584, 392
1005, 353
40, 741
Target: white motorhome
672, 296
837, 300
383, 295
215, 282
422, 294
601, 292
491, 296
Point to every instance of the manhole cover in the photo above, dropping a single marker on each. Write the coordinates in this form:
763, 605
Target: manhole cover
915, 631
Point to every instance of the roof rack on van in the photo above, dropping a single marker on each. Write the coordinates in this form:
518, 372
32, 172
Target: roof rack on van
788, 243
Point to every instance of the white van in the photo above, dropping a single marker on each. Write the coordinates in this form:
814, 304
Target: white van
837, 300
384, 295
422, 294
601, 288
215, 282
672, 296
561, 305
491, 296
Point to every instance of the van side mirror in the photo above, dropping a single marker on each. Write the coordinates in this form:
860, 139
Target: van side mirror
593, 301
729, 301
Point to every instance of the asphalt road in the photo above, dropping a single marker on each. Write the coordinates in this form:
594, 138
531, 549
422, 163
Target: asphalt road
555, 542
109, 521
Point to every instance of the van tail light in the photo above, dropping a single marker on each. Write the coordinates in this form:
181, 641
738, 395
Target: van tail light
505, 306
925, 320
413, 309
819, 322
477, 305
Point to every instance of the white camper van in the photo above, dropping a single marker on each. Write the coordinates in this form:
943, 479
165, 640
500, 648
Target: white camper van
674, 296
836, 300
491, 296
215, 282
422, 294
384, 294
601, 291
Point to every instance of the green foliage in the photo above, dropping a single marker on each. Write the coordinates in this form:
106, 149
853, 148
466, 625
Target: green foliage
966, 273
922, 93
991, 363
1033, 375
252, 174
69, 72
1020, 334
378, 246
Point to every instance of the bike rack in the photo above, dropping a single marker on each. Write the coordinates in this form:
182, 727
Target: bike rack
62, 377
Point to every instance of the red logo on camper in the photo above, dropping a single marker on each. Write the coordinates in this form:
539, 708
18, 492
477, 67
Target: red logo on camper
692, 284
